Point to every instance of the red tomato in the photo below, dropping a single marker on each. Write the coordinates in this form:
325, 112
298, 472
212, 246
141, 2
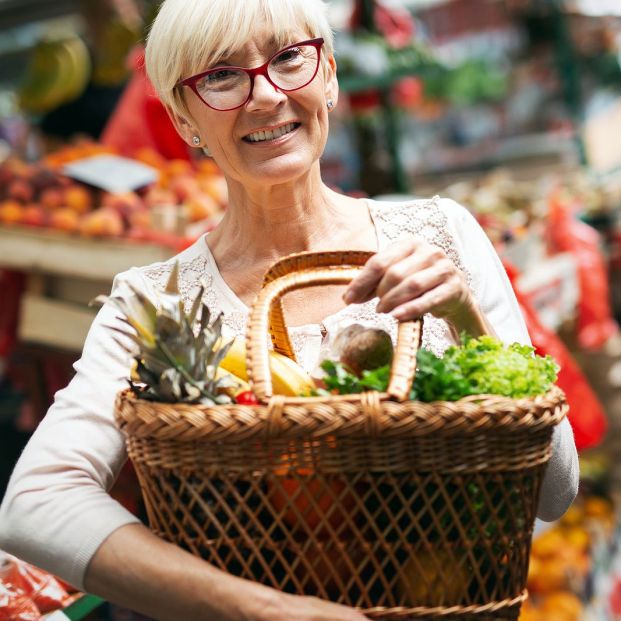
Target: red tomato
246, 398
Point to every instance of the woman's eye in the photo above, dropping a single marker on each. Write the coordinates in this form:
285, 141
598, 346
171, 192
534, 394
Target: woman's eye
219, 76
290, 55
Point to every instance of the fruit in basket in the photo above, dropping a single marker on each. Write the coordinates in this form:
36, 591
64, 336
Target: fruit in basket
288, 378
174, 363
362, 349
246, 397
434, 579
307, 502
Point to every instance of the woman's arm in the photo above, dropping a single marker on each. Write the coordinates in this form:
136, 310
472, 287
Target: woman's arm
136, 569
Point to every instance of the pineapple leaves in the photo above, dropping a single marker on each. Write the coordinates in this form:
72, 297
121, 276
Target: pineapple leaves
191, 318
178, 353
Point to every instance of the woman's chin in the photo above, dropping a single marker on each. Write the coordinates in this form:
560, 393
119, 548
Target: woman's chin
281, 170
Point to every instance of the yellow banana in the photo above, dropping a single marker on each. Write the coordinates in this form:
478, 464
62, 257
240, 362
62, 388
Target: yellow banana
288, 378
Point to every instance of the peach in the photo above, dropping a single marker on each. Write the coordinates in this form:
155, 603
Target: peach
78, 198
64, 219
44, 178
151, 157
200, 207
159, 196
184, 186
20, 190
122, 202
179, 167
102, 222
33, 215
10, 212
208, 167
140, 220
51, 198
216, 187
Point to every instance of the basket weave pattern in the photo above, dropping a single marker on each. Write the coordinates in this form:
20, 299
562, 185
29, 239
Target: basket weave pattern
402, 509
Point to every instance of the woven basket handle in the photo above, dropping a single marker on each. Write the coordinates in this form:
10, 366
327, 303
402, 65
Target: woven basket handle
267, 316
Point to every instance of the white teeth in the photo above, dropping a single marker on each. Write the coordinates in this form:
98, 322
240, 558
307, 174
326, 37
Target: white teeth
271, 134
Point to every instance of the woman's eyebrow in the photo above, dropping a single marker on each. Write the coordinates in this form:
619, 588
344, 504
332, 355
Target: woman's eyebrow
272, 44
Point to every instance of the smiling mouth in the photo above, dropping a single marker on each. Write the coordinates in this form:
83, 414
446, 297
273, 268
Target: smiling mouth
272, 134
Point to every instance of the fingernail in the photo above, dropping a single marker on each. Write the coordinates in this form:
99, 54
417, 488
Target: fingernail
348, 297
397, 314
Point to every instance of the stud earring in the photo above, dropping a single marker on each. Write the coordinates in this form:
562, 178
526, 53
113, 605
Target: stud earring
196, 141
330, 104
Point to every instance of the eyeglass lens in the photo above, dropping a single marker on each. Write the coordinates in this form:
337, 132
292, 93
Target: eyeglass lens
289, 70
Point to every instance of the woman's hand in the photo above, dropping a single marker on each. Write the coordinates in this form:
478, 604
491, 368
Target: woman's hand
412, 278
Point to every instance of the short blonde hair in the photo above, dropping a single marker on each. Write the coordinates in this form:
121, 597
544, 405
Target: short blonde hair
188, 36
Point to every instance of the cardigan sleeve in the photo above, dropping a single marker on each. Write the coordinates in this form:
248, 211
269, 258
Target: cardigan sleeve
497, 300
57, 511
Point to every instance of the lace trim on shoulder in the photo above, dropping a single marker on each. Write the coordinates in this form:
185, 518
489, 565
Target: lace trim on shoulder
423, 218
193, 273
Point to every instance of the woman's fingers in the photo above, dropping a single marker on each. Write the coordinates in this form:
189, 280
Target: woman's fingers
414, 285
411, 278
402, 270
426, 303
363, 287
451, 300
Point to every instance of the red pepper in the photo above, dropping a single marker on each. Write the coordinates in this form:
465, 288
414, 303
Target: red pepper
246, 398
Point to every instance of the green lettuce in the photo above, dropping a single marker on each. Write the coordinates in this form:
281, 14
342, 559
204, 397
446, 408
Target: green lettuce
481, 365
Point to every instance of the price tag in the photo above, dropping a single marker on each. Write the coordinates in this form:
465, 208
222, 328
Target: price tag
112, 173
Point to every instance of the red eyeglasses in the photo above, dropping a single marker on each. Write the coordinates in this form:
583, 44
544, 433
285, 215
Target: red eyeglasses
226, 88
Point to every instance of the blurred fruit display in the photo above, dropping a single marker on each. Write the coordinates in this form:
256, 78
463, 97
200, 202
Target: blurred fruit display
567, 557
188, 198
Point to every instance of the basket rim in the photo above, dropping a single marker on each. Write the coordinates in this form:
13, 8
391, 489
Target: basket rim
370, 414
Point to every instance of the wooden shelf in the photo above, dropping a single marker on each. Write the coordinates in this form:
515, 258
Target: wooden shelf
64, 272
53, 252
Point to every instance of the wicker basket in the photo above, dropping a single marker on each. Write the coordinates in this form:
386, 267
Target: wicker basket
400, 508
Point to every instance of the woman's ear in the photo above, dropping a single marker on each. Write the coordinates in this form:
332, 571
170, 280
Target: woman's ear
332, 85
184, 127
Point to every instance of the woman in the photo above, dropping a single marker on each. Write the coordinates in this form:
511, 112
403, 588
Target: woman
266, 127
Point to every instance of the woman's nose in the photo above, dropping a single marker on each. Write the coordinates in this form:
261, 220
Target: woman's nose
264, 94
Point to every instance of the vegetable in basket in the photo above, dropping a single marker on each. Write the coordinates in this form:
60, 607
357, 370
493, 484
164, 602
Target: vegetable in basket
481, 365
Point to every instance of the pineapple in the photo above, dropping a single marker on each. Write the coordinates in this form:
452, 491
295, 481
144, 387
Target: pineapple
175, 361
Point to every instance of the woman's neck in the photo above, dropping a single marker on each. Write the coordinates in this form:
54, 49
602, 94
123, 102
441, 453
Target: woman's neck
266, 223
